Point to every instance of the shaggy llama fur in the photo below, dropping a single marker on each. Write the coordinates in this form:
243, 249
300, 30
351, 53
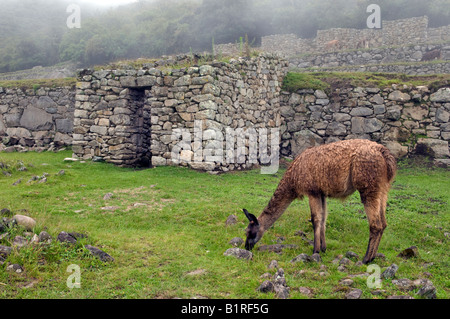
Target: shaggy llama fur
333, 170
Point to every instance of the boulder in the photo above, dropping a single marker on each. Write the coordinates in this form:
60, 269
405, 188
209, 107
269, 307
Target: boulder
396, 149
238, 253
99, 253
303, 140
409, 252
399, 96
36, 119
27, 222
442, 95
432, 147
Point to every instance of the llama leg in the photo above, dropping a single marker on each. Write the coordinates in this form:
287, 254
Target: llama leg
377, 224
323, 245
315, 205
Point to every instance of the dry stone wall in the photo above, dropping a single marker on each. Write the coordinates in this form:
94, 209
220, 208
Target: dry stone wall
406, 119
176, 116
218, 117
36, 117
396, 33
379, 60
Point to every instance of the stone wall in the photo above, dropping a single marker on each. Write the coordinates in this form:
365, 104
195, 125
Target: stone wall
36, 117
406, 119
382, 58
396, 33
218, 117
129, 117
399, 68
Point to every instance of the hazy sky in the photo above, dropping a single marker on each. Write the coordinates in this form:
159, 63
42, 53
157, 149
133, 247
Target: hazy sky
110, 2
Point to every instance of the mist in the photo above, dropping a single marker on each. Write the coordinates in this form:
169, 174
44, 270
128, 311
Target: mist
36, 32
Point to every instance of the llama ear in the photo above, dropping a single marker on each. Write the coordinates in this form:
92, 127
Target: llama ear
252, 218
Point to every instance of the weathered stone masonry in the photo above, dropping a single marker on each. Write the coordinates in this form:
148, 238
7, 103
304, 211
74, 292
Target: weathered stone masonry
36, 117
137, 117
129, 116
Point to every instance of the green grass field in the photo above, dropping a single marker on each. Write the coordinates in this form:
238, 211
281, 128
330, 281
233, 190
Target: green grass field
165, 228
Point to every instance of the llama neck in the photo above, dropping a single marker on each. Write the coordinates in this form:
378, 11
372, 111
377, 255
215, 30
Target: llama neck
281, 199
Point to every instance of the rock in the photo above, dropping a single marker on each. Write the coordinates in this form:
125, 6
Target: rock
45, 237
99, 253
266, 286
108, 196
273, 265
278, 277
27, 222
351, 255
5, 212
239, 253
409, 252
17, 182
336, 129
442, 116
345, 261
19, 242
303, 140
231, 220
277, 248
354, 294
404, 284
346, 282
417, 113
399, 96
64, 237
5, 251
390, 272
36, 119
236, 241
442, 95
427, 290
394, 113
301, 257
281, 292
361, 111
316, 258
305, 291
432, 147
397, 149
15, 268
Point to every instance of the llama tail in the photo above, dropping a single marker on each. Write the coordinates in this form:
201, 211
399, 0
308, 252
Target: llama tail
391, 163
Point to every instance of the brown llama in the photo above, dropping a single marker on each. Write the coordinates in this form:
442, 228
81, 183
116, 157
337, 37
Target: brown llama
333, 170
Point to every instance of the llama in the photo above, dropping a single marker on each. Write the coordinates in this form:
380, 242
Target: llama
333, 170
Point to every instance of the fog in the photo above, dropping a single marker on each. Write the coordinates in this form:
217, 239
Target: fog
45, 32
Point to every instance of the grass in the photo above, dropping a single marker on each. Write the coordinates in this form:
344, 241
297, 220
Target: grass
170, 221
327, 81
38, 83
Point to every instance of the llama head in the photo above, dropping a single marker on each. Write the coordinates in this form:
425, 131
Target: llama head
252, 230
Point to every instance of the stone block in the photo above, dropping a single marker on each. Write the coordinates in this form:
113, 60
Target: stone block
128, 81
64, 125
36, 119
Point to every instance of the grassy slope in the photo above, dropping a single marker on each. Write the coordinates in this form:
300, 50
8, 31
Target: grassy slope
179, 226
